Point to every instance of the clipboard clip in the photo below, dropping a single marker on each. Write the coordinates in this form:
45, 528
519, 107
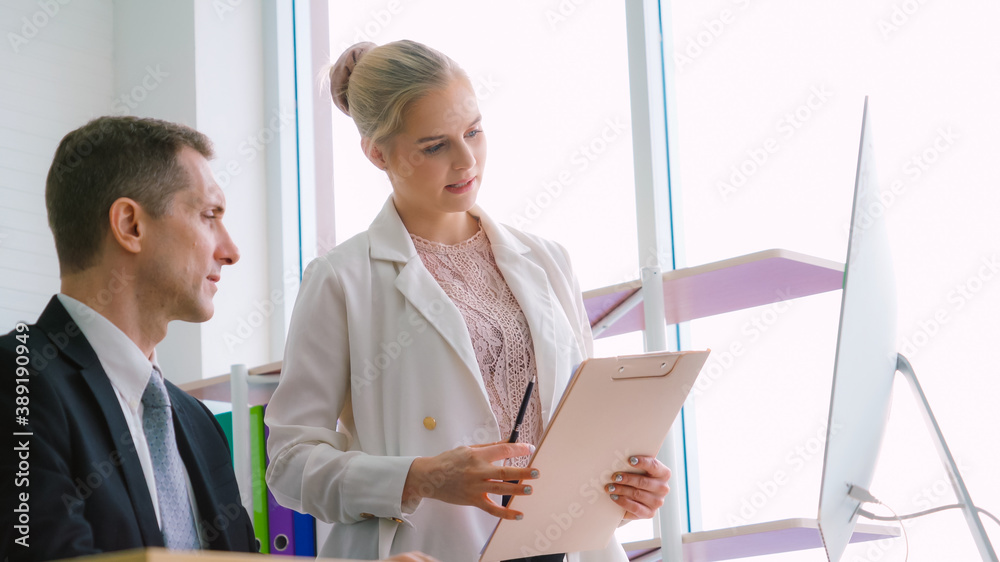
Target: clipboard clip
646, 367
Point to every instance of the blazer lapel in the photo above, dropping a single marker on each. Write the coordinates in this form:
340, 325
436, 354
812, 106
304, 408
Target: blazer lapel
135, 480
530, 286
391, 242
58, 325
426, 295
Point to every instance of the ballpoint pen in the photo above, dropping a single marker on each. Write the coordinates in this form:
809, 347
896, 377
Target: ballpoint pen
515, 431
520, 412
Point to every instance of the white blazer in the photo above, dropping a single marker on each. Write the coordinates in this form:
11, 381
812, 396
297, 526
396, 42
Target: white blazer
376, 343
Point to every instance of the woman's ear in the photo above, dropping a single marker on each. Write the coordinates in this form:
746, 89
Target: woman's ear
374, 153
126, 218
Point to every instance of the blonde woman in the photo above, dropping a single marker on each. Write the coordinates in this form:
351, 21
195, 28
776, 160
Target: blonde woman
411, 344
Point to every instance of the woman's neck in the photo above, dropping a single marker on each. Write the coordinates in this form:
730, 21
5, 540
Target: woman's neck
444, 228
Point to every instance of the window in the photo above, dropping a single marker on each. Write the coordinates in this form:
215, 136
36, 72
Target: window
769, 99
555, 111
555, 104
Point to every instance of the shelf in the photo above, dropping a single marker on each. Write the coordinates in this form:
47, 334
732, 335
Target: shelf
714, 288
262, 382
733, 284
774, 537
692, 292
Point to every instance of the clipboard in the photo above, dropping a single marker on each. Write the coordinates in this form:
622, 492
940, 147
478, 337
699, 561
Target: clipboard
612, 408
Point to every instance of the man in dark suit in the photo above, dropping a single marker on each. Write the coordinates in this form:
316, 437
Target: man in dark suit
107, 454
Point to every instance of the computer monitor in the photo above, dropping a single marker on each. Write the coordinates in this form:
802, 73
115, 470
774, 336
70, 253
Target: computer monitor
866, 358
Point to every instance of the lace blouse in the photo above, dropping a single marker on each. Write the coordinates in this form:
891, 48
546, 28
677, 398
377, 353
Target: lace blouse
469, 275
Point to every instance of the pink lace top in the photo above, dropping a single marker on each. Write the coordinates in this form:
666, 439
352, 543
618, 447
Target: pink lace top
469, 275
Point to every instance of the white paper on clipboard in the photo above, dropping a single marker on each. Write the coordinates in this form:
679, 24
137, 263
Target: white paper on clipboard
613, 408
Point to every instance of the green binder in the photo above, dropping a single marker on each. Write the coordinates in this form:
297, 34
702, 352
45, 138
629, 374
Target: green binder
257, 466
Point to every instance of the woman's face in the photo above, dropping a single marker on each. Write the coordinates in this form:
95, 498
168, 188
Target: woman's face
436, 162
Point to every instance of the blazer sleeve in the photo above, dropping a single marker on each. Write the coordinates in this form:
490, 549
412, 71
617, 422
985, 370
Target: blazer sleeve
313, 468
573, 302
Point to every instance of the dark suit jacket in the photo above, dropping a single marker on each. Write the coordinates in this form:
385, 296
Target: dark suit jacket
86, 492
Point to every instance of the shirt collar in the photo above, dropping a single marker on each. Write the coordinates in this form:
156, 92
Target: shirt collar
127, 367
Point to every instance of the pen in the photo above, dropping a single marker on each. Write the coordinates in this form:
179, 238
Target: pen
517, 424
520, 412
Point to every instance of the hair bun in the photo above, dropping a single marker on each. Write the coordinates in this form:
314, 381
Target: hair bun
340, 72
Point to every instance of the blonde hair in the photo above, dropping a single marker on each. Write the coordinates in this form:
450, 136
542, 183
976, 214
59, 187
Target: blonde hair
388, 79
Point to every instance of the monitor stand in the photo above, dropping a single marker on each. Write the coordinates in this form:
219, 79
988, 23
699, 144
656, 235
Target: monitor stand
961, 492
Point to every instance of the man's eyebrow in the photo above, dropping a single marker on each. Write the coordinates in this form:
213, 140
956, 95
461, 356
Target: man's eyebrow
210, 204
439, 137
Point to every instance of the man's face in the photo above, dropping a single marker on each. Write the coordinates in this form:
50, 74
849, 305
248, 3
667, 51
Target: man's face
188, 246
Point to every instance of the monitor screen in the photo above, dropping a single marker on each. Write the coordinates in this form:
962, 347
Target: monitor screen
865, 360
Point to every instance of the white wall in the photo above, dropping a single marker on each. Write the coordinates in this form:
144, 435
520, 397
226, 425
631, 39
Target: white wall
198, 63
210, 54
230, 109
55, 74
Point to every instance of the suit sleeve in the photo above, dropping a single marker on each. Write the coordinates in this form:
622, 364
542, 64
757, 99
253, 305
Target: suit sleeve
313, 469
35, 475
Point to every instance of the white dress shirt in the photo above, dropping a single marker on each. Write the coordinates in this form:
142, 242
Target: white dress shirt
129, 370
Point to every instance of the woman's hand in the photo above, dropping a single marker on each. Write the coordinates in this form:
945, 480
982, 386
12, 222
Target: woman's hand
465, 475
641, 494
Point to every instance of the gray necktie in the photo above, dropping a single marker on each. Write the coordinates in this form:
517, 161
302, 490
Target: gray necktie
176, 519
